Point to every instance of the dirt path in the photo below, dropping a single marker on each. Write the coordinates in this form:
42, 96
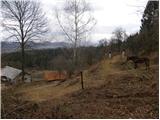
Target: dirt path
56, 90
110, 92
48, 91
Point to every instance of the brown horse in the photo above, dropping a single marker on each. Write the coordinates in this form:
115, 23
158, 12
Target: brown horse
137, 60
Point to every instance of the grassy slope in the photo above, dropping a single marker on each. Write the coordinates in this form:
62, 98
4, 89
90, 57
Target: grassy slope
111, 91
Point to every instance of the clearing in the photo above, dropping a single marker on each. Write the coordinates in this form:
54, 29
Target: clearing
111, 90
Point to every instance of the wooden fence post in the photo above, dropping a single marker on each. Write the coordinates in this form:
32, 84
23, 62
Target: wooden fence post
82, 80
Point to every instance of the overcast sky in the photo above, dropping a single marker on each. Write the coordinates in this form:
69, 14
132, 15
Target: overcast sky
108, 13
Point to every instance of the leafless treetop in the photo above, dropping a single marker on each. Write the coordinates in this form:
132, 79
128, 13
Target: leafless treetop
23, 20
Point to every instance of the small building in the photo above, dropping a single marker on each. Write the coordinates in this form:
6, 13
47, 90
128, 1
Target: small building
54, 75
10, 74
37, 75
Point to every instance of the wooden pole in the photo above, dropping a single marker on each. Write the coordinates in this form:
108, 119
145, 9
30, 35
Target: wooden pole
82, 80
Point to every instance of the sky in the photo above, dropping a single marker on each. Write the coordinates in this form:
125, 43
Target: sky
109, 15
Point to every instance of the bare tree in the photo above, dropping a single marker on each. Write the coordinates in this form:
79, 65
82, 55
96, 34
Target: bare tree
119, 35
23, 20
103, 42
77, 23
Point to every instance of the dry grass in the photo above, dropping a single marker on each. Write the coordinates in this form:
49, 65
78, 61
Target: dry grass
47, 90
97, 75
111, 90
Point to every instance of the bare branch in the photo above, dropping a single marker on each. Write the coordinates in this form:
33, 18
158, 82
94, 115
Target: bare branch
24, 21
76, 15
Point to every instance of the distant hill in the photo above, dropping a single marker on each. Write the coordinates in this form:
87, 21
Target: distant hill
7, 47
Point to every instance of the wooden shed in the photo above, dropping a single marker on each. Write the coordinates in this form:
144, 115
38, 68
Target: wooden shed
54, 75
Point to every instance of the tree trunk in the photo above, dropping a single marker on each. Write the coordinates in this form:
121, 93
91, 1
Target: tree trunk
23, 61
76, 35
75, 56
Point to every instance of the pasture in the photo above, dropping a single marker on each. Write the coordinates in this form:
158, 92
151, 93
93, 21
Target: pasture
110, 92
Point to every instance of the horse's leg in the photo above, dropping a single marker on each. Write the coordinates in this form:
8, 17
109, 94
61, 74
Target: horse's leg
147, 65
135, 65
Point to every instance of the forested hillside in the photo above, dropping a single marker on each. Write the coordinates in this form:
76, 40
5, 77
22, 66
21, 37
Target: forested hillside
118, 78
